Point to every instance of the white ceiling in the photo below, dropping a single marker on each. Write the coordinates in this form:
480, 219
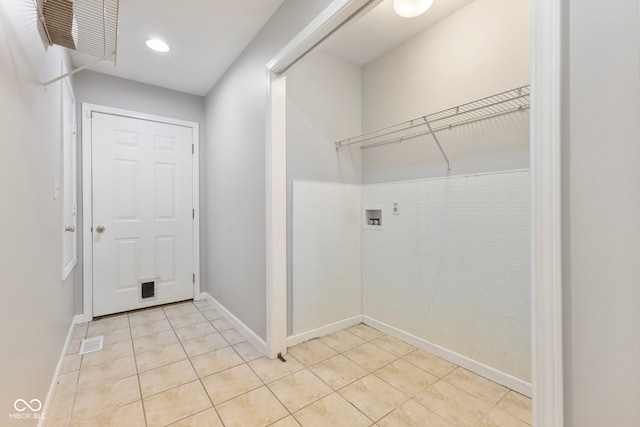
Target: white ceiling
205, 37
380, 30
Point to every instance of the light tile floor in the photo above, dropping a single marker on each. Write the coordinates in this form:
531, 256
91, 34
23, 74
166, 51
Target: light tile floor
185, 365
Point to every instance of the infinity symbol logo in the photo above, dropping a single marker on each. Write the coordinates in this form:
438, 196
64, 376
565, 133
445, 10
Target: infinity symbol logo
26, 405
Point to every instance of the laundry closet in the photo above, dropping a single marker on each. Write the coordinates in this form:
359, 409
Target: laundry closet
408, 184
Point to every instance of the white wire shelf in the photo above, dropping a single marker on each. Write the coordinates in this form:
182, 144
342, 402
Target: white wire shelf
517, 99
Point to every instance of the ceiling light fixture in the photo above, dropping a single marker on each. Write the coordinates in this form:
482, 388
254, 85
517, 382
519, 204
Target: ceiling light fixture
158, 45
411, 8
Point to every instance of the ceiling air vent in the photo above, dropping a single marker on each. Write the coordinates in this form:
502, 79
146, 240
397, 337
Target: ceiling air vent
61, 24
86, 26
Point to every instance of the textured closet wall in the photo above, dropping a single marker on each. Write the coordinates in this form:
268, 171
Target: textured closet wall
326, 254
110, 91
481, 50
323, 105
36, 308
235, 163
601, 213
453, 267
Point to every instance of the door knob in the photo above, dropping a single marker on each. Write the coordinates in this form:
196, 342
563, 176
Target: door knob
100, 229
70, 228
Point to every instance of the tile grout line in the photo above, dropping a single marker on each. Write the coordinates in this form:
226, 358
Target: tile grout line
304, 366
264, 384
485, 413
198, 375
442, 378
142, 397
80, 369
370, 373
162, 366
199, 379
75, 391
135, 362
308, 368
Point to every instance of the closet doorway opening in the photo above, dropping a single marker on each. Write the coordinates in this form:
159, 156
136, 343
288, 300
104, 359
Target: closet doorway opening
543, 190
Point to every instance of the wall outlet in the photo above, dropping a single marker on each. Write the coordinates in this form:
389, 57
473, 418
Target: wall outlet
396, 208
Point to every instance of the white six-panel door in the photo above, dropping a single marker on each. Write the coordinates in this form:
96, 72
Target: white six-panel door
142, 212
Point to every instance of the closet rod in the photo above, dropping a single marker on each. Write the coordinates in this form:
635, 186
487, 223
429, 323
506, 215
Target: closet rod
516, 99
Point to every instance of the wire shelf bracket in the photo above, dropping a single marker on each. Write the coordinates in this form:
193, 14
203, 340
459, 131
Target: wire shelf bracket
435, 138
514, 100
86, 26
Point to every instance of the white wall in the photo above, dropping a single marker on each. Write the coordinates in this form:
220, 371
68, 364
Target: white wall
103, 89
110, 91
36, 309
453, 267
601, 213
235, 164
474, 276
323, 105
480, 50
327, 286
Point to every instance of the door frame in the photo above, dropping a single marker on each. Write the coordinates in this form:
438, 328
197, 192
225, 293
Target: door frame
546, 173
87, 195
66, 86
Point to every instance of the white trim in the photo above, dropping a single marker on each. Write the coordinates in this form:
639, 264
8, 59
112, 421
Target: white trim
87, 206
324, 330
547, 389
331, 18
493, 374
65, 84
276, 165
242, 328
52, 387
276, 217
196, 206
87, 197
546, 117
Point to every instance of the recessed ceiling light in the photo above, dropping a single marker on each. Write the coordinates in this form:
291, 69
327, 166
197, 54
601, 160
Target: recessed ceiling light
157, 45
411, 8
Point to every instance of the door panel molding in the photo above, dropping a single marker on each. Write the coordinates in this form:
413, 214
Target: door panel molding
87, 193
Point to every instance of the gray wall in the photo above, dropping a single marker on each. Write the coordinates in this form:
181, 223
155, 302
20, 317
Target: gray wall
478, 51
36, 307
102, 89
323, 105
235, 163
601, 213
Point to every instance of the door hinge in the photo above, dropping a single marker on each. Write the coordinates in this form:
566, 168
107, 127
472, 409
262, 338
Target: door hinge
193, 149
194, 277
75, 130
193, 213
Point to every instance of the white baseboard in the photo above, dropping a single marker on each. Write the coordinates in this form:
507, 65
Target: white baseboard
323, 330
78, 318
493, 374
242, 328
